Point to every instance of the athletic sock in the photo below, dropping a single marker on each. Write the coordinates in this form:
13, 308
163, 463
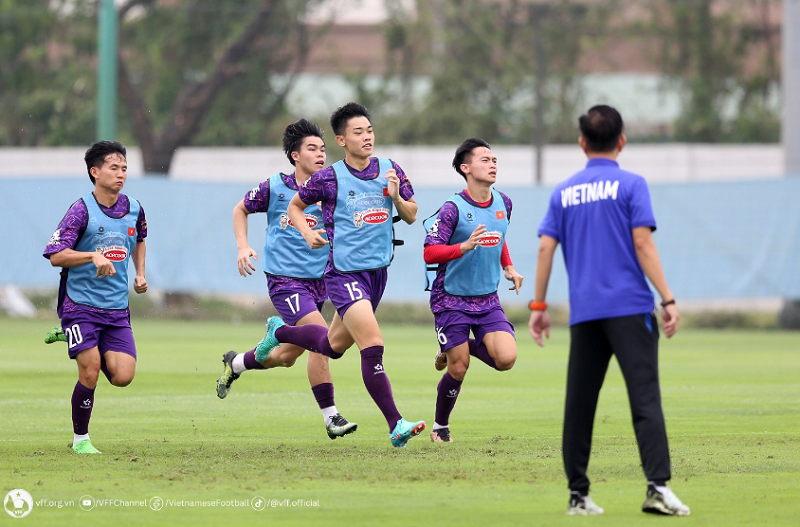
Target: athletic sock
480, 352
77, 438
82, 404
448, 391
378, 385
248, 362
323, 393
437, 426
310, 336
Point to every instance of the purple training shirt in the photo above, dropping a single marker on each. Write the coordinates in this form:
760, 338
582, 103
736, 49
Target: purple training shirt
322, 188
440, 300
69, 232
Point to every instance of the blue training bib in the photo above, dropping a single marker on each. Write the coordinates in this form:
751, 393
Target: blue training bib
115, 238
362, 220
286, 252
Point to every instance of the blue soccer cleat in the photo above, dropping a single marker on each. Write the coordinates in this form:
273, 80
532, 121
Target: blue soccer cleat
403, 431
269, 342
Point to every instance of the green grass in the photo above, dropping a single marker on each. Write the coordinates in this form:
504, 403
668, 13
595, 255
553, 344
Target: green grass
730, 397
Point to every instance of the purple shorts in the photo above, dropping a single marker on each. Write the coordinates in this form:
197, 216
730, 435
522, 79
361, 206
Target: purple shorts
453, 327
295, 298
85, 330
345, 289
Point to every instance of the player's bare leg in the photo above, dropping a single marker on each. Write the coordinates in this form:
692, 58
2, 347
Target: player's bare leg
121, 368
502, 348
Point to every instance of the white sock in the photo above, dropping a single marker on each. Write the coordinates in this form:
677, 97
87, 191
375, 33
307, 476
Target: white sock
78, 438
437, 426
238, 363
659, 488
328, 413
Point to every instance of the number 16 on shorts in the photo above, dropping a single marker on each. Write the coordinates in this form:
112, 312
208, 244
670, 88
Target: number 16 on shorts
440, 336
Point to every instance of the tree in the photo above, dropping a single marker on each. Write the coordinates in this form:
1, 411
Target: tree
480, 60
711, 52
177, 59
46, 79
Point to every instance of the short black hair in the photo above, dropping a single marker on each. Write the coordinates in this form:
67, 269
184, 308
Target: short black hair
601, 127
345, 113
464, 152
294, 135
97, 153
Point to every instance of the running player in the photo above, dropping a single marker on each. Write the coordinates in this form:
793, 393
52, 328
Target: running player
466, 238
358, 196
294, 272
94, 243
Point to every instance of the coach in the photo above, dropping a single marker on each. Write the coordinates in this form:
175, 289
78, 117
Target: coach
603, 220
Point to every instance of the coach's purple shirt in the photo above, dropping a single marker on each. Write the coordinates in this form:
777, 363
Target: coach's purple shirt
69, 232
440, 300
322, 188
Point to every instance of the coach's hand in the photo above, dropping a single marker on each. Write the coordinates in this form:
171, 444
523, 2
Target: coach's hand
140, 285
538, 323
671, 317
104, 266
474, 238
314, 238
246, 267
513, 276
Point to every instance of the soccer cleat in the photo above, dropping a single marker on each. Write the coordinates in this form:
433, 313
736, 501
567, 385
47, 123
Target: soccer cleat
441, 435
339, 426
227, 378
661, 500
55, 335
404, 430
269, 342
85, 447
440, 362
582, 505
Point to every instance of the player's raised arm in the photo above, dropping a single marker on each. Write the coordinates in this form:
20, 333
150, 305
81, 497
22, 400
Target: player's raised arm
406, 208
244, 263
72, 258
511, 273
296, 212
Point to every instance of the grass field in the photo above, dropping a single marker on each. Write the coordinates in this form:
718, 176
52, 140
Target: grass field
731, 400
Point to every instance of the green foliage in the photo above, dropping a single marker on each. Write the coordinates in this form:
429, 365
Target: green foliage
47, 85
729, 399
707, 52
481, 60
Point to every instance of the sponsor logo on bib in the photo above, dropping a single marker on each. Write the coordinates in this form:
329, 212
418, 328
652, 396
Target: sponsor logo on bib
115, 253
490, 239
311, 220
375, 216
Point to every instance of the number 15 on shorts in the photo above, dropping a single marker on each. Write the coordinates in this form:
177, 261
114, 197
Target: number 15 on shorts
355, 292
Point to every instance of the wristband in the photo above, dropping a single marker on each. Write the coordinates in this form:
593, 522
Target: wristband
665, 303
537, 306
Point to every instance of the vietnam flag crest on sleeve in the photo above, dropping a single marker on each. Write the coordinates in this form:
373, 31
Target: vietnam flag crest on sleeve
500, 214
131, 231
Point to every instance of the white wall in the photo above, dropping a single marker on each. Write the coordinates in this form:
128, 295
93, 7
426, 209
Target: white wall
430, 166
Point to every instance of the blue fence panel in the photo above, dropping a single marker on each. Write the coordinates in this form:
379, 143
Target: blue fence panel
716, 240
